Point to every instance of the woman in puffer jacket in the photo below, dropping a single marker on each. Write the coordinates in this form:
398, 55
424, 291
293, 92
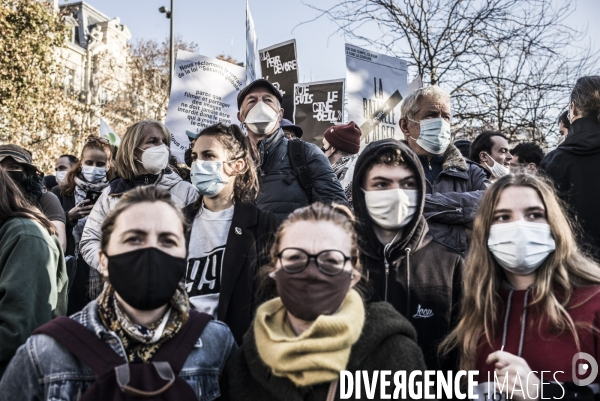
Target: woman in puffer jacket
142, 159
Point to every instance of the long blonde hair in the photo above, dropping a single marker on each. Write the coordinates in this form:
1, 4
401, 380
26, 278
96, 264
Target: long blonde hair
481, 307
125, 161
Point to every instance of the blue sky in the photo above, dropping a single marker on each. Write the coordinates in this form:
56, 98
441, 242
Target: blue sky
213, 25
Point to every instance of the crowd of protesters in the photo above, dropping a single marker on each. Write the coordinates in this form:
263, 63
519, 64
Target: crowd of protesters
271, 266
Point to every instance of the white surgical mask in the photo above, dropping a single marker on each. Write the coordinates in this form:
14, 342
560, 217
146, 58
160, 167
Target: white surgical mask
393, 208
93, 174
520, 246
435, 135
207, 177
262, 119
155, 159
60, 176
497, 169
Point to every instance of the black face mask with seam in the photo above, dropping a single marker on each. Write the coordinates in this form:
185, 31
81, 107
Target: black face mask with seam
146, 278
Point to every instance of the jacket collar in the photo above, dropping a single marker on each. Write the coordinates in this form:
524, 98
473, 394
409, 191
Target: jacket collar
267, 144
583, 138
454, 160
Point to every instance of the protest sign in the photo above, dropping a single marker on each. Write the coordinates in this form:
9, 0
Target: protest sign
279, 66
318, 106
375, 86
251, 47
204, 92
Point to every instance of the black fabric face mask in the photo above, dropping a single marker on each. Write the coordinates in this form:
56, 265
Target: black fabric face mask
17, 176
146, 278
311, 293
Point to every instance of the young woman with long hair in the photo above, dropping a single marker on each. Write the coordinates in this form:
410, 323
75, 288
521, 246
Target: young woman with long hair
33, 278
531, 297
230, 236
78, 192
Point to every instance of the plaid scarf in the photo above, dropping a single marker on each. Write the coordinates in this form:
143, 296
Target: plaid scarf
141, 343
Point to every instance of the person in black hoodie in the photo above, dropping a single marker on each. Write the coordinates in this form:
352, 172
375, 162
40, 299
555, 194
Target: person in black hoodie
230, 235
421, 278
573, 164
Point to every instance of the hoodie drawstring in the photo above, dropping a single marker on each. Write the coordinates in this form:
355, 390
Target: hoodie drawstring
386, 264
523, 322
407, 250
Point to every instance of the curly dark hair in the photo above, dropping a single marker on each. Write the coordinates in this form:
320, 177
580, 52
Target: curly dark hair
238, 146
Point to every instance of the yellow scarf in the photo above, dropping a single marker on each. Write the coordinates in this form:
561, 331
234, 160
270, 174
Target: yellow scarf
318, 354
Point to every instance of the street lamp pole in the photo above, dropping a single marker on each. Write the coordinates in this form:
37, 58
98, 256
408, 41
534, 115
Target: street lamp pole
172, 60
169, 14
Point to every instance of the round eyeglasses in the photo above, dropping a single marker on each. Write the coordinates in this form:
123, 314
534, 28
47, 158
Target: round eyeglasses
329, 262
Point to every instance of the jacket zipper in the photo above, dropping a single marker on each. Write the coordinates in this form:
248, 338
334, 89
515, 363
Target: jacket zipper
146, 180
429, 162
387, 269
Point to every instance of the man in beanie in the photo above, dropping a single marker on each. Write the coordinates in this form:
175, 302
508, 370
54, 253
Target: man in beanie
341, 144
291, 174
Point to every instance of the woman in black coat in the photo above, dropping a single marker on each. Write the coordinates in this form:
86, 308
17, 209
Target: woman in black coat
77, 194
229, 235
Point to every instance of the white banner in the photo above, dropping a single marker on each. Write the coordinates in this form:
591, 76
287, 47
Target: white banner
251, 47
203, 93
375, 86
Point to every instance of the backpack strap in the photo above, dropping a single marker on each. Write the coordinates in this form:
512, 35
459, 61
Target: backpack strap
177, 349
300, 169
82, 343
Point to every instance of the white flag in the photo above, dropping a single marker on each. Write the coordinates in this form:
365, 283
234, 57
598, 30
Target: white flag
251, 47
108, 133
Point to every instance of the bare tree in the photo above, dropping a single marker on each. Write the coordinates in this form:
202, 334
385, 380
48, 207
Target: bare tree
508, 64
146, 94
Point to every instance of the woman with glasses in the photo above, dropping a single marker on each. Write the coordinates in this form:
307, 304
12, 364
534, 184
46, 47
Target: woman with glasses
318, 326
78, 192
230, 236
142, 159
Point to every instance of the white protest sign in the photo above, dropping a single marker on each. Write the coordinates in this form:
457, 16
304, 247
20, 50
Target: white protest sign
251, 47
203, 93
375, 86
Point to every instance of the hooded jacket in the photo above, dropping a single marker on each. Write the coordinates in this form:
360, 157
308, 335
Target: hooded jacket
522, 331
387, 342
182, 193
453, 199
279, 191
421, 278
573, 166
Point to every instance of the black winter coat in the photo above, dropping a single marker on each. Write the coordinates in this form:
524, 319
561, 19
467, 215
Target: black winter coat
280, 192
573, 166
418, 276
78, 271
453, 199
247, 249
387, 342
